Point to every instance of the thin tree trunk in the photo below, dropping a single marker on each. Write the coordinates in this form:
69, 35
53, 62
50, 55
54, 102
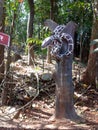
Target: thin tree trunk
1, 46
53, 11
30, 31
1, 30
97, 72
51, 17
90, 74
7, 67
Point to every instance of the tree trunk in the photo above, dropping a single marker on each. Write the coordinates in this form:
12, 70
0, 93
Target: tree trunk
1, 47
64, 107
97, 71
1, 61
62, 51
64, 90
64, 86
30, 31
53, 11
7, 67
30, 54
6, 89
89, 75
51, 17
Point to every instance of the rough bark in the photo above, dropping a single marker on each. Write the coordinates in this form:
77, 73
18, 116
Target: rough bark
53, 13
64, 90
51, 17
7, 67
1, 30
30, 31
64, 87
6, 89
89, 75
97, 72
64, 106
30, 54
1, 61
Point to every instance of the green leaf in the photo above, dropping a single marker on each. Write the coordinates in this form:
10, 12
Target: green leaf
34, 40
29, 40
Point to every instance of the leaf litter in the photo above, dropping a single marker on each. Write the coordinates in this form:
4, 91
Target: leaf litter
36, 115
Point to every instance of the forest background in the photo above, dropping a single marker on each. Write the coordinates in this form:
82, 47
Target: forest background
24, 22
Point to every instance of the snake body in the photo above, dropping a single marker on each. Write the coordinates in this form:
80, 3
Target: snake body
57, 40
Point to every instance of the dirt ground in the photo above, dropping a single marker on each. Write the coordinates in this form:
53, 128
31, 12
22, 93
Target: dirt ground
38, 118
37, 115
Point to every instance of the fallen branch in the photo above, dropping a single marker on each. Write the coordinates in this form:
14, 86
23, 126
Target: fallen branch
80, 95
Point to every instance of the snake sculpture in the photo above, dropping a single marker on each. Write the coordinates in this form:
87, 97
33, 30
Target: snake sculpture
57, 40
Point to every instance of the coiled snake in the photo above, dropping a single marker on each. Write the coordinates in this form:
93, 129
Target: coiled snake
57, 40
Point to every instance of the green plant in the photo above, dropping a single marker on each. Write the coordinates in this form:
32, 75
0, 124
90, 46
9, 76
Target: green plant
32, 41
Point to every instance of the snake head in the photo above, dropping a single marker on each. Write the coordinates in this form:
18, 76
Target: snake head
47, 42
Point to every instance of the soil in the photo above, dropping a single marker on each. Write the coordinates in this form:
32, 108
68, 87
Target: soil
41, 106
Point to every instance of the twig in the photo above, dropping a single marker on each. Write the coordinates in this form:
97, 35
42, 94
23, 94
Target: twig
2, 63
36, 94
83, 93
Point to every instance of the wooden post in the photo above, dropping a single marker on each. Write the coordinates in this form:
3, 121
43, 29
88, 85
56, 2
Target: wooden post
64, 104
64, 107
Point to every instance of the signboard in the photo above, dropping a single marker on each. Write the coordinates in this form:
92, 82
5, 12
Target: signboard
20, 1
4, 39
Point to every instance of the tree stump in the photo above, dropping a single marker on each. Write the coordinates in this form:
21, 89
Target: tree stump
64, 89
61, 43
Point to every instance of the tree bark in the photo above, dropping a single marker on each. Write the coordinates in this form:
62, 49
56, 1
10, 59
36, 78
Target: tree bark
97, 71
64, 90
64, 106
7, 67
1, 30
30, 31
89, 75
64, 86
53, 13
5, 90
51, 17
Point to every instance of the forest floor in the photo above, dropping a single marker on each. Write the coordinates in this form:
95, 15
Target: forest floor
31, 102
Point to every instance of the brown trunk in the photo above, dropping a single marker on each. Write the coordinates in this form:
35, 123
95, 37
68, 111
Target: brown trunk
1, 47
97, 71
64, 90
7, 67
64, 107
1, 62
51, 17
64, 86
89, 75
30, 54
53, 11
30, 31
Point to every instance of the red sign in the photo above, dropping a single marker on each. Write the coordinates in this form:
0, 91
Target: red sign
4, 39
20, 1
